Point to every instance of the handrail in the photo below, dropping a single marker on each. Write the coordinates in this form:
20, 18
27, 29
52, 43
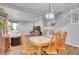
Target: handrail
69, 13
62, 18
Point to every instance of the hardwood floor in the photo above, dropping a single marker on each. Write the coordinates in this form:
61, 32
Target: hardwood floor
17, 50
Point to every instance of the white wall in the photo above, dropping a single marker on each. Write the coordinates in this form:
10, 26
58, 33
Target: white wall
39, 22
72, 29
73, 34
26, 27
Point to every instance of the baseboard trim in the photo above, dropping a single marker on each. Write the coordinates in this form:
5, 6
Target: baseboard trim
73, 45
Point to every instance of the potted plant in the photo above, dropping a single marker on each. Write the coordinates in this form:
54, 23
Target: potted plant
2, 16
1, 25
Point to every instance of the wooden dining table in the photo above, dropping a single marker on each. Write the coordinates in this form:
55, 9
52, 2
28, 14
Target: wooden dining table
40, 41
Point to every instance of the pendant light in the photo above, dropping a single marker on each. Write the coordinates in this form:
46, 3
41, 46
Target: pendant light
49, 15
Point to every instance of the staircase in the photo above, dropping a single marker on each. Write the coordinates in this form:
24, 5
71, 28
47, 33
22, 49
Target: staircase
71, 17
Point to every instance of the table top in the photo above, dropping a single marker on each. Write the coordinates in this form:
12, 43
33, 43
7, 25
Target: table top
40, 40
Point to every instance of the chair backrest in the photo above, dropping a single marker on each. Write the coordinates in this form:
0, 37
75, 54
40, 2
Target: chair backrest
55, 40
24, 41
57, 37
63, 37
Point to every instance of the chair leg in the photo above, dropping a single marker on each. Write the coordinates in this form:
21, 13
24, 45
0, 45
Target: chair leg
60, 51
43, 52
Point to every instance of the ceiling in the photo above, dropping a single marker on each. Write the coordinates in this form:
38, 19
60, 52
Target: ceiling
33, 11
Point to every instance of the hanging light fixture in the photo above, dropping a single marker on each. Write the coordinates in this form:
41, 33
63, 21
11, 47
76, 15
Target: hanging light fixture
50, 15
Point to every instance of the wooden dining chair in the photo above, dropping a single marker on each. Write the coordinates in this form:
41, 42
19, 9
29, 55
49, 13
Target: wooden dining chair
52, 47
61, 45
29, 49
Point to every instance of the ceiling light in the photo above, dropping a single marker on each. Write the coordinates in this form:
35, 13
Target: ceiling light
50, 15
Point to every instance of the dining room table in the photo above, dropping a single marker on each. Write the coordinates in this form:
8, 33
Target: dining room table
40, 41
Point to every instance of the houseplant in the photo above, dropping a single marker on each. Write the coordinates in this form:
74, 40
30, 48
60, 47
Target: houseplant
1, 23
2, 16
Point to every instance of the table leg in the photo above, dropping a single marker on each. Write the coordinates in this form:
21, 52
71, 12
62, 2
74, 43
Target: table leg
39, 48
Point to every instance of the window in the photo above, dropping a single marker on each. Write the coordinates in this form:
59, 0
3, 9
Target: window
14, 26
75, 17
